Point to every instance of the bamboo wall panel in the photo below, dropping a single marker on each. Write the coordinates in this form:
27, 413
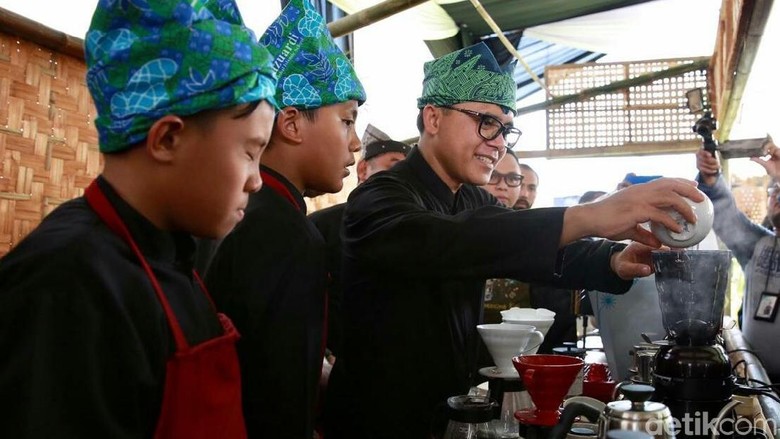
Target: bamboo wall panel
48, 142
641, 119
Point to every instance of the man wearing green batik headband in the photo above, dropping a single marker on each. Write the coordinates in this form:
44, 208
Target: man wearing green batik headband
421, 239
107, 331
270, 274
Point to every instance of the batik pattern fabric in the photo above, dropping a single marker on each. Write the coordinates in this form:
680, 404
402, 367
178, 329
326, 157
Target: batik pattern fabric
313, 71
471, 74
149, 58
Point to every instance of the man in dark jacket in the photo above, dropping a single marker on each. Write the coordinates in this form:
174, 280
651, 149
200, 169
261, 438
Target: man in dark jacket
420, 240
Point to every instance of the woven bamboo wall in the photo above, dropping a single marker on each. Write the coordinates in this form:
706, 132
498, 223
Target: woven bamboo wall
641, 117
48, 143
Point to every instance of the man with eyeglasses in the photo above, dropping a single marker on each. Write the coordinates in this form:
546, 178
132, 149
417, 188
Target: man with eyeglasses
421, 239
757, 251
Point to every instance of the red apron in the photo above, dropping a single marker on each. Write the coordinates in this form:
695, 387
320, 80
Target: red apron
202, 396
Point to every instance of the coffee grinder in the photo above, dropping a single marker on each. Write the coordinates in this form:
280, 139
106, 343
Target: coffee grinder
692, 374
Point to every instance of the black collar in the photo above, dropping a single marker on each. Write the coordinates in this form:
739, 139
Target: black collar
155, 244
430, 179
296, 194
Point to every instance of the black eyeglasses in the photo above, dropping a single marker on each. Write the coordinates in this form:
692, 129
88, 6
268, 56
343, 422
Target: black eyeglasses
511, 179
490, 127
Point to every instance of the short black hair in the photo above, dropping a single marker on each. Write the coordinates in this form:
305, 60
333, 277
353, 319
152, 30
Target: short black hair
309, 113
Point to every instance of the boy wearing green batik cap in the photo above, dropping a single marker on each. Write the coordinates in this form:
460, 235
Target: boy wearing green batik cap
105, 328
421, 239
270, 273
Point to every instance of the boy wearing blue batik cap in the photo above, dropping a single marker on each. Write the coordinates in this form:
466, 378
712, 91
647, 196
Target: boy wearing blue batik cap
270, 272
105, 328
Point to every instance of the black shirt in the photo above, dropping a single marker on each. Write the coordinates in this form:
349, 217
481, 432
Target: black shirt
84, 339
271, 277
328, 222
416, 257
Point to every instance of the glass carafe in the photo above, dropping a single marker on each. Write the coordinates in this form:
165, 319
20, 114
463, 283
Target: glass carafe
691, 292
469, 417
513, 397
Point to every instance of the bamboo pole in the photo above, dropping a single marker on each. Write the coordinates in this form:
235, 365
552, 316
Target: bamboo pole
370, 15
508, 45
617, 85
27, 29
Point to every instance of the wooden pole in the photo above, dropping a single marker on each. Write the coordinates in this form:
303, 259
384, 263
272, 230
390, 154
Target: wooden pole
35, 32
699, 64
371, 15
509, 46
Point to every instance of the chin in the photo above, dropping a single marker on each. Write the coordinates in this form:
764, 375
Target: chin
776, 221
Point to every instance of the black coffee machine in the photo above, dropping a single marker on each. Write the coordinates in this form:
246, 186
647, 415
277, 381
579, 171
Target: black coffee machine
692, 374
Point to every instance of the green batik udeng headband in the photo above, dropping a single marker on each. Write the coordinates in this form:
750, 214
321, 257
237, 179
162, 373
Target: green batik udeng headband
313, 72
471, 74
149, 58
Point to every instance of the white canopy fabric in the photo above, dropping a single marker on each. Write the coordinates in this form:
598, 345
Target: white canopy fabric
652, 30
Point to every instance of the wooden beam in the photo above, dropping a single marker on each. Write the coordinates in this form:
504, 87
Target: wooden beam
697, 64
35, 32
629, 149
61, 42
371, 15
749, 41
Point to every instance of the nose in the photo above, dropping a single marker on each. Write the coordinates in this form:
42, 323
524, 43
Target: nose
355, 144
254, 182
499, 144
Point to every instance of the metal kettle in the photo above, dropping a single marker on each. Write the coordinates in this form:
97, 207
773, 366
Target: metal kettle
635, 413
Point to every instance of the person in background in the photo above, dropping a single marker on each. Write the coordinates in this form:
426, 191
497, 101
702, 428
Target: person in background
631, 179
270, 273
105, 329
542, 295
506, 180
756, 250
589, 196
379, 155
527, 195
421, 239
502, 294
622, 320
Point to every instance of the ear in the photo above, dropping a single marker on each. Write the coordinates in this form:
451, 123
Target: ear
164, 137
289, 125
432, 118
362, 170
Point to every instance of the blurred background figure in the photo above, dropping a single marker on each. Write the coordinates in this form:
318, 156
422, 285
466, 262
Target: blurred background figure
527, 188
501, 294
631, 179
755, 248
